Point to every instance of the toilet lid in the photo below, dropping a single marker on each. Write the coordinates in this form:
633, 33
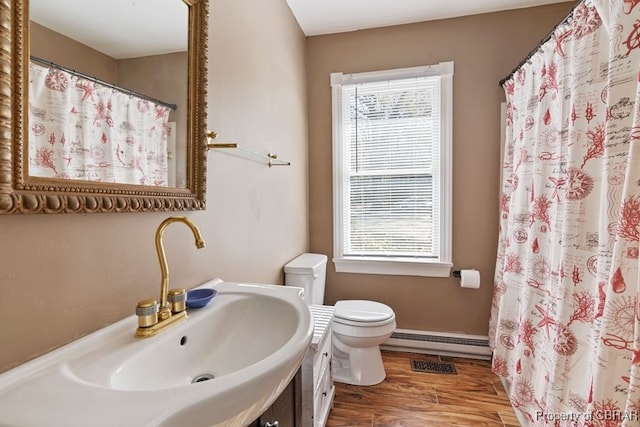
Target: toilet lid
362, 311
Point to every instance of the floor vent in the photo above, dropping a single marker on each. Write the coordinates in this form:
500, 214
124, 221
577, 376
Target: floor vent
433, 367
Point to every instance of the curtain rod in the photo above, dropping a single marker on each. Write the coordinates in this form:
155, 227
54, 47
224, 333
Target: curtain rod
102, 82
539, 45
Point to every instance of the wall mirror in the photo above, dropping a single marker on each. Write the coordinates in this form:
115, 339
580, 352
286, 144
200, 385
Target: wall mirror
95, 120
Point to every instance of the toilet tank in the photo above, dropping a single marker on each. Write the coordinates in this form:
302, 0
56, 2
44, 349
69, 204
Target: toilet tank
308, 271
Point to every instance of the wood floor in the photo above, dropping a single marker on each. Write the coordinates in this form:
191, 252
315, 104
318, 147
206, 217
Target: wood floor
472, 397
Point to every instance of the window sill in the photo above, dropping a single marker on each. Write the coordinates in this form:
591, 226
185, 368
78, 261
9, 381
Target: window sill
394, 266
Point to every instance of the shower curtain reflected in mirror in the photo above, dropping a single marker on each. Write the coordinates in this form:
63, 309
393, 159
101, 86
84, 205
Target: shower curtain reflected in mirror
565, 325
83, 130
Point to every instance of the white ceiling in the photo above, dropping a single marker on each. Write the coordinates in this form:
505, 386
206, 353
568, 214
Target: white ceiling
118, 28
130, 28
317, 17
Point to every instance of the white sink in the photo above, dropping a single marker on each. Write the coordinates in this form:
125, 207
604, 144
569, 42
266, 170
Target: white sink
223, 366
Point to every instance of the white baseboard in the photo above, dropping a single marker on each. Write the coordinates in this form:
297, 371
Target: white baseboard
439, 343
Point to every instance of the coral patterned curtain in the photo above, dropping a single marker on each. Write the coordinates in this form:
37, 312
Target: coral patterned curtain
565, 326
80, 129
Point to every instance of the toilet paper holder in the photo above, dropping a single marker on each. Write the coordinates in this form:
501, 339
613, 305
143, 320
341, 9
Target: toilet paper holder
457, 274
469, 278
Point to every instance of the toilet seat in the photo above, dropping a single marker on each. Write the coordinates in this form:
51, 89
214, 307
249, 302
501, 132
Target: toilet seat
362, 313
359, 328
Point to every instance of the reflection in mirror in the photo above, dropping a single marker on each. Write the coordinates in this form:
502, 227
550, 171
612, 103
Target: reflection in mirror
108, 91
31, 181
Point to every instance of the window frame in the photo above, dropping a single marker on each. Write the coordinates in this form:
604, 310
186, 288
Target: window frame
439, 266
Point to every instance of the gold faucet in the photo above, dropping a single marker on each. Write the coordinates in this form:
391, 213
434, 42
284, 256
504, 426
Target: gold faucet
151, 318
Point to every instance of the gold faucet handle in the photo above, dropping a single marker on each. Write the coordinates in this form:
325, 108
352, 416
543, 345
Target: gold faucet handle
147, 312
177, 299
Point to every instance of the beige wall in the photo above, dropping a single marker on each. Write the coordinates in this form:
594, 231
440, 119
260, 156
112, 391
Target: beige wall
63, 276
52, 46
484, 48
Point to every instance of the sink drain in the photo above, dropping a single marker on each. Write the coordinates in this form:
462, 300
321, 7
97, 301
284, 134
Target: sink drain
202, 378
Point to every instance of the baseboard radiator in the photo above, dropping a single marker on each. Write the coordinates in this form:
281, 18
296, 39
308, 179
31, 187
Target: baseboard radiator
438, 343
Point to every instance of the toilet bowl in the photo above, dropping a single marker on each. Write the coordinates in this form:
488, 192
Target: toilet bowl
359, 327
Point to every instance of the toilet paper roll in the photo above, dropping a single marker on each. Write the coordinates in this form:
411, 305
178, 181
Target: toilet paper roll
470, 279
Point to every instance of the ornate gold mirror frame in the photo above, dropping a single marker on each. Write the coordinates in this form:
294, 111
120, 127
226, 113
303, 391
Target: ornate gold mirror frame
21, 194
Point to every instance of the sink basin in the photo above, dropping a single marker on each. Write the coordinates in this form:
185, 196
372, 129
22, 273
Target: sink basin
223, 366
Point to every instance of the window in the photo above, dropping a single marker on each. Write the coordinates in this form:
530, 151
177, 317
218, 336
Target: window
392, 171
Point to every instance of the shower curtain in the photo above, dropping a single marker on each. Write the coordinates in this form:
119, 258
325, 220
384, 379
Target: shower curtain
565, 325
80, 129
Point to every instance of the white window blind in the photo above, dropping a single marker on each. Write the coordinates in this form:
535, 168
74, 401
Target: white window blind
390, 147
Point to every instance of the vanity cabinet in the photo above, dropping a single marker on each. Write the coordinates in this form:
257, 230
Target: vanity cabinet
308, 398
317, 379
286, 410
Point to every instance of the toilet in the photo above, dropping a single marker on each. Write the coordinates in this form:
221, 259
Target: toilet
359, 326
